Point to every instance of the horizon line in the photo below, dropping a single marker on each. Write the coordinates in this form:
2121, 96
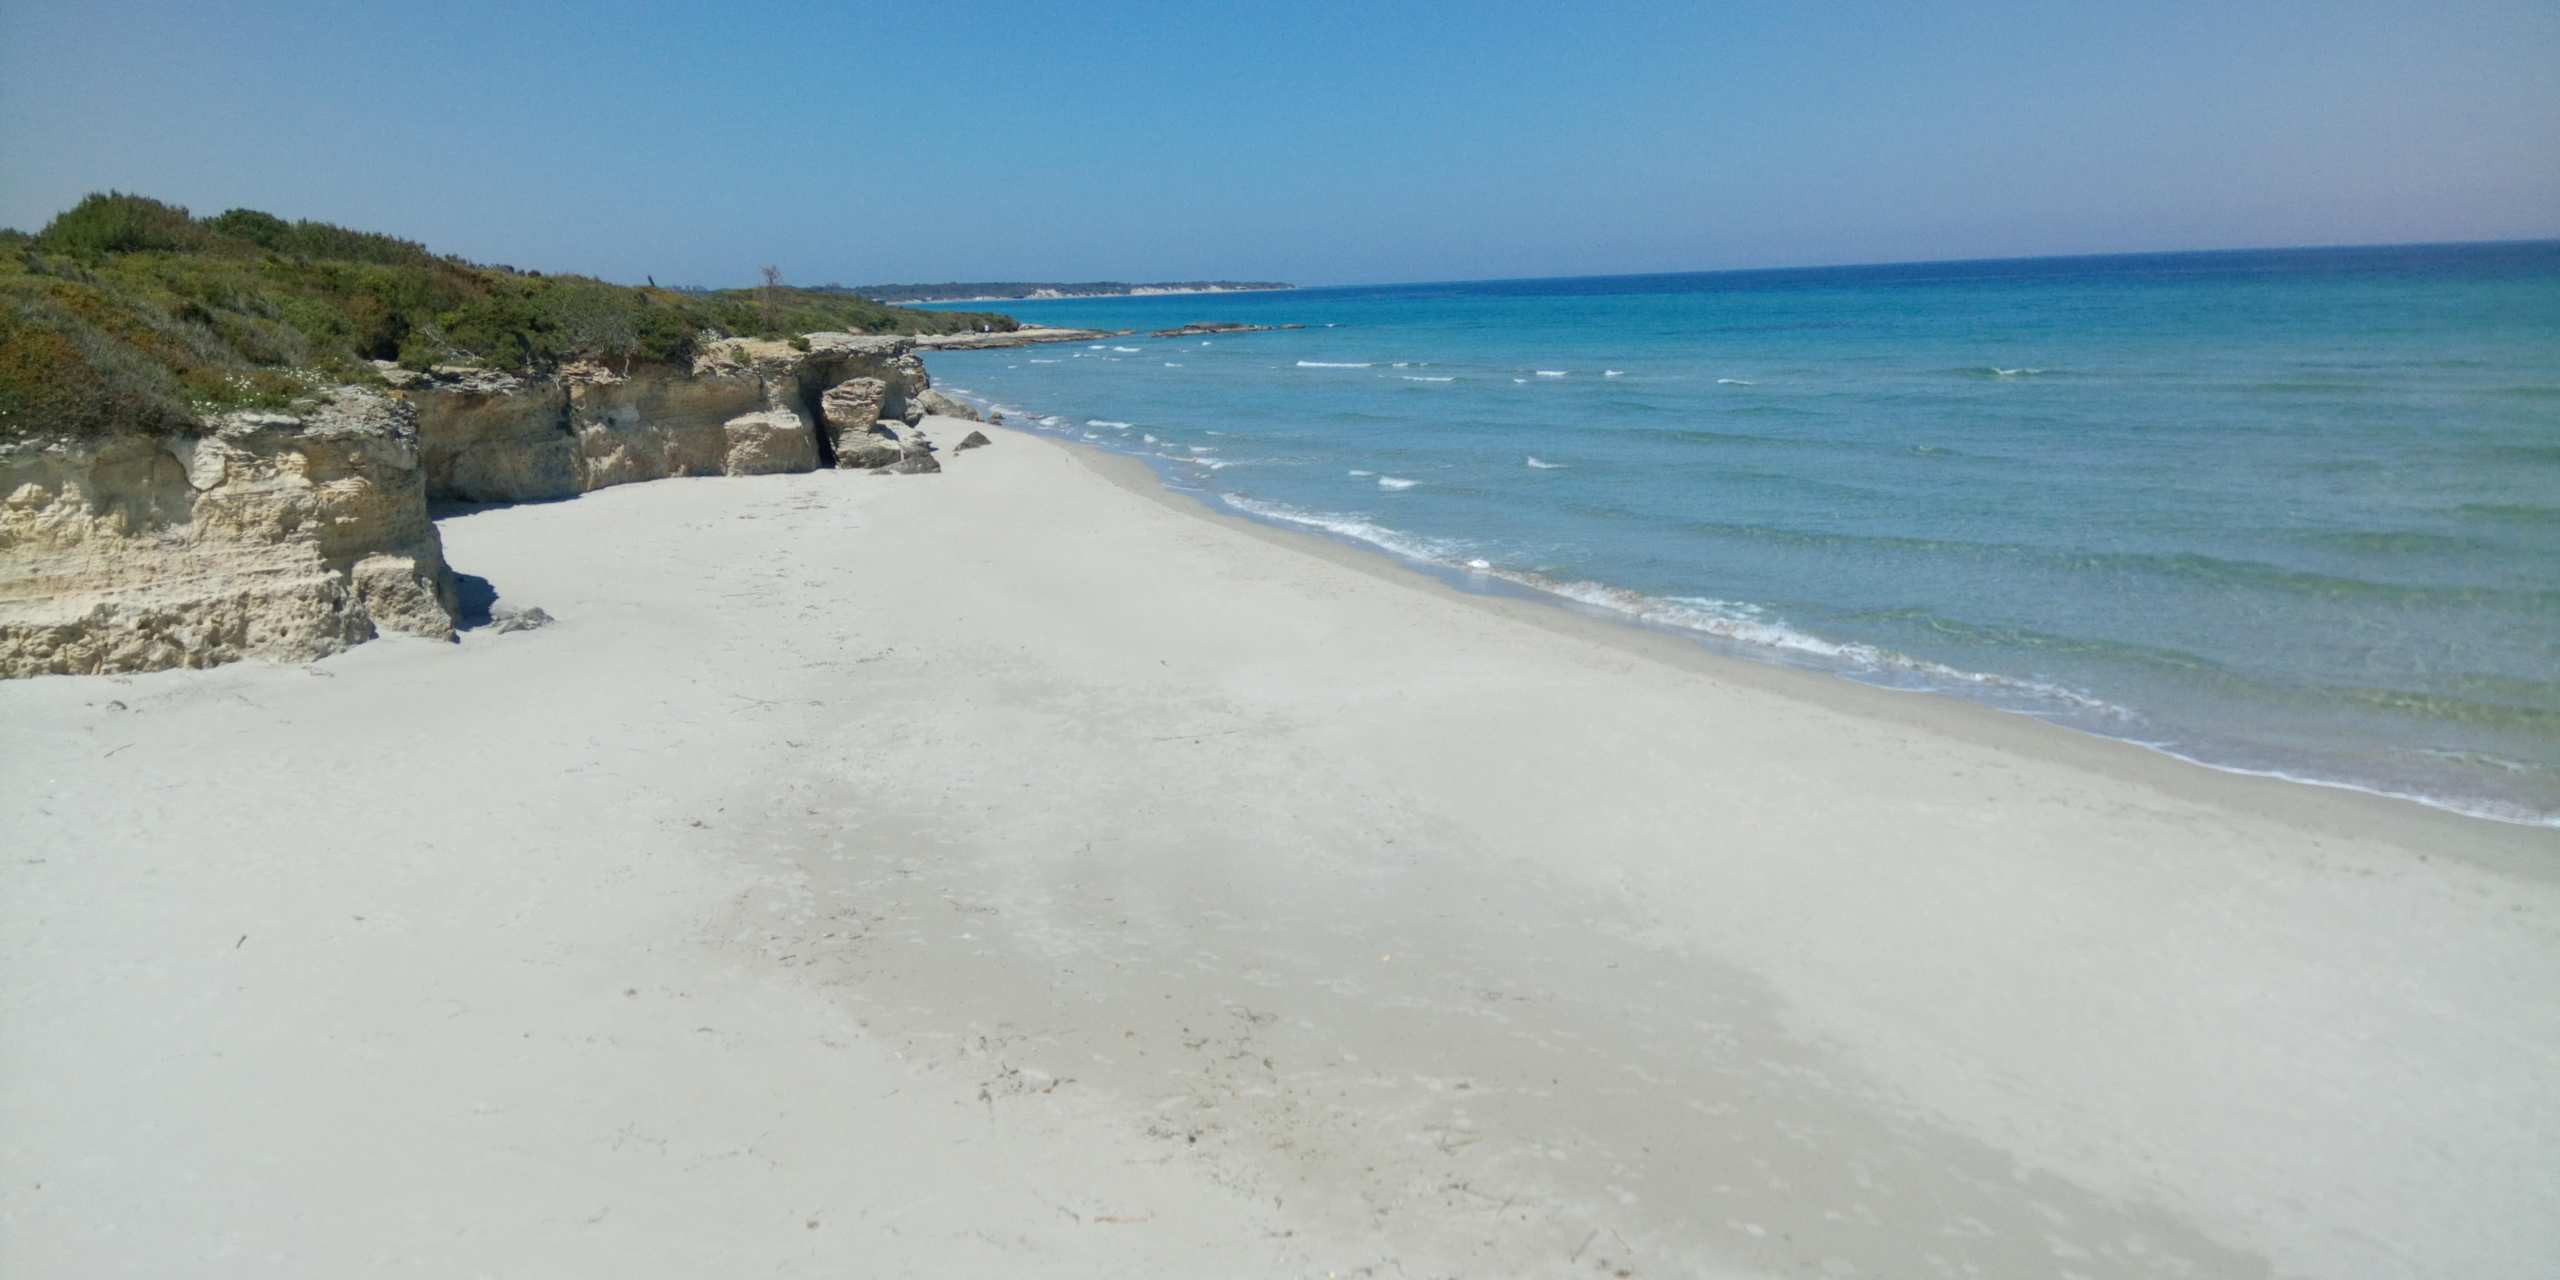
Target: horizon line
2553, 238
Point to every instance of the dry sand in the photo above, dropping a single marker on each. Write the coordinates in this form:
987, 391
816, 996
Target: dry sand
1019, 871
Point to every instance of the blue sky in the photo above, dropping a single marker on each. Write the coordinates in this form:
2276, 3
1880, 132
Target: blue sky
857, 142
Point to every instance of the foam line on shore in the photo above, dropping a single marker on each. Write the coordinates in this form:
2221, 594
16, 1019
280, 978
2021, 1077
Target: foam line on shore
1752, 633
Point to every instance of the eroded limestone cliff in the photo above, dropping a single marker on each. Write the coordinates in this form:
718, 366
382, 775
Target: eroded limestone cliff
745, 407
292, 536
280, 536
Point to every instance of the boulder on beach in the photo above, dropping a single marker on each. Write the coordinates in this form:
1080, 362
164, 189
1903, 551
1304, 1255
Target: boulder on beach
769, 442
506, 620
973, 440
852, 411
916, 460
942, 406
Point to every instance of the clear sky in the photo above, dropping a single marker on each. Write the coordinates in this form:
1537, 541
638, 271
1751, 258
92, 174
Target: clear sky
1332, 143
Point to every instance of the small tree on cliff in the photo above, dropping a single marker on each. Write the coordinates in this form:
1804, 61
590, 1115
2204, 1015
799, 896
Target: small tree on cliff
772, 294
596, 319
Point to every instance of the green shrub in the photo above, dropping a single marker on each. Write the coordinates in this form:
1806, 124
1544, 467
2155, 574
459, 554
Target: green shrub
119, 223
60, 374
264, 230
125, 310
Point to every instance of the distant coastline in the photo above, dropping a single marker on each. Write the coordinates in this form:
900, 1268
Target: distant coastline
1023, 291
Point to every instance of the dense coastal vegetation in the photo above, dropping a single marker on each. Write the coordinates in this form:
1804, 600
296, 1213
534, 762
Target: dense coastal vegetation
126, 312
1009, 290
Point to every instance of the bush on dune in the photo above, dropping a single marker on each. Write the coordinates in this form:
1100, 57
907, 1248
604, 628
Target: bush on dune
128, 312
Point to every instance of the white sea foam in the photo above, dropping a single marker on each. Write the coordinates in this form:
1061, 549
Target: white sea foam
1412, 377
1334, 364
2493, 810
1537, 464
1108, 422
1358, 472
1551, 373
1037, 362
1202, 448
1613, 373
1735, 382
1171, 365
1732, 620
1353, 527
1998, 372
1095, 347
1053, 422
1126, 351
1750, 624
1148, 438
1395, 482
1520, 381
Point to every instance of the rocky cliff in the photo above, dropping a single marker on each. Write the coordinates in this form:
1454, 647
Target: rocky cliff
280, 536
292, 536
745, 407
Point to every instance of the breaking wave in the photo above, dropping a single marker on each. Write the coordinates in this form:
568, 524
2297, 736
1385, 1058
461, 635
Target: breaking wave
1411, 546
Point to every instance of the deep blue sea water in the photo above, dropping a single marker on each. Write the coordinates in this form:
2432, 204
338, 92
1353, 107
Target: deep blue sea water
2293, 511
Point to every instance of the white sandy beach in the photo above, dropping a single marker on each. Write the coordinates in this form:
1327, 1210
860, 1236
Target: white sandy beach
1020, 871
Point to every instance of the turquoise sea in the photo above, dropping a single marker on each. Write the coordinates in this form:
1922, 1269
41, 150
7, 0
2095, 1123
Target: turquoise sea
2293, 511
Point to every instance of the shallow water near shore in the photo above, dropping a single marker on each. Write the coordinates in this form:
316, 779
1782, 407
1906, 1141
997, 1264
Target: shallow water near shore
2290, 512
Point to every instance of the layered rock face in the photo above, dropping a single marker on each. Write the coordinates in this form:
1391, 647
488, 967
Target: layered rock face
494, 438
290, 537
287, 537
